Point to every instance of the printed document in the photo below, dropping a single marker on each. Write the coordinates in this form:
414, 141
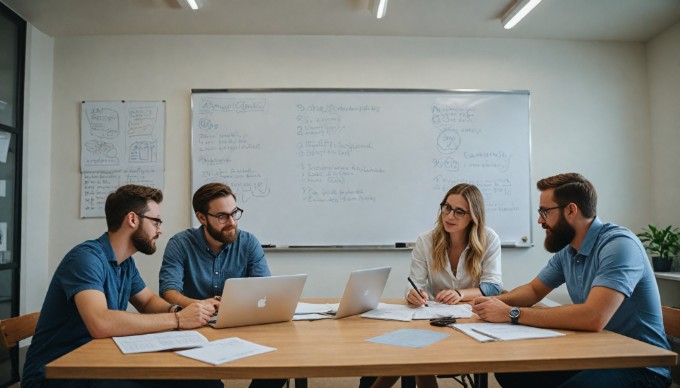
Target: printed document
487, 332
225, 350
160, 341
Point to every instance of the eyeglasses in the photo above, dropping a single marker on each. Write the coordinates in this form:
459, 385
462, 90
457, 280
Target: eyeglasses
156, 221
222, 218
457, 212
543, 211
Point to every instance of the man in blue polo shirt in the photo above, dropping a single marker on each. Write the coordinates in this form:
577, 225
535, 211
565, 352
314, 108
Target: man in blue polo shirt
197, 261
609, 280
90, 290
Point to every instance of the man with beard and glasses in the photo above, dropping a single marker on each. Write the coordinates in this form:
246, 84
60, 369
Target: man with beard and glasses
92, 286
197, 261
608, 277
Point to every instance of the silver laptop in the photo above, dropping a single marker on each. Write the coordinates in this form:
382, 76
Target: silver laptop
254, 301
363, 291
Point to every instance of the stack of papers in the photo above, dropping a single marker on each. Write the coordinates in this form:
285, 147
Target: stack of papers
313, 311
487, 332
215, 352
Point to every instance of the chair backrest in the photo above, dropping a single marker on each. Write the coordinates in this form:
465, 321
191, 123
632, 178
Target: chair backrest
671, 321
13, 330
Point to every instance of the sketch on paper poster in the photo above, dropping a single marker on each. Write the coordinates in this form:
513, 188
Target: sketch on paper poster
142, 120
143, 151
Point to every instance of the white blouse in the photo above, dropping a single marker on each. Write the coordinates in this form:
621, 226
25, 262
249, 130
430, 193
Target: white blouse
422, 269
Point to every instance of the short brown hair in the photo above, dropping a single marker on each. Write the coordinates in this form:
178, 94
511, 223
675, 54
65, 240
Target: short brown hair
572, 188
207, 193
128, 198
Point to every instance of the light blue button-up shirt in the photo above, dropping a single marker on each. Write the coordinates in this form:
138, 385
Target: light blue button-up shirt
192, 268
612, 256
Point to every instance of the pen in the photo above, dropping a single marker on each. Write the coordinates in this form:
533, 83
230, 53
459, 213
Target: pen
416, 288
493, 337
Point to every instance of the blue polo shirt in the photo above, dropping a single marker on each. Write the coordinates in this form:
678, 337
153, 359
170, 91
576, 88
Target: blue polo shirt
612, 256
192, 268
89, 266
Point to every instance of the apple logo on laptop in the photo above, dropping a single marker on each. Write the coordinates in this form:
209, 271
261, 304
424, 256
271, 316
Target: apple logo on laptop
262, 302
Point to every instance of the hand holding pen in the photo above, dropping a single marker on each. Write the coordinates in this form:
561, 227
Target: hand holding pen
417, 299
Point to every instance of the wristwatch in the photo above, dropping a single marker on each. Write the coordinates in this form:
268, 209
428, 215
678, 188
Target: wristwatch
514, 315
175, 308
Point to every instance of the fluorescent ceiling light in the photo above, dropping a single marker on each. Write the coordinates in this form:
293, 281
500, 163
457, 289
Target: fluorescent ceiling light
518, 12
378, 8
193, 4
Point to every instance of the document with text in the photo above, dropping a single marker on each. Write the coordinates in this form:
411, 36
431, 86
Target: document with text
225, 350
488, 332
160, 341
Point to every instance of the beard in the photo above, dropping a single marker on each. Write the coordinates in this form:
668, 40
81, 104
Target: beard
143, 242
559, 236
221, 235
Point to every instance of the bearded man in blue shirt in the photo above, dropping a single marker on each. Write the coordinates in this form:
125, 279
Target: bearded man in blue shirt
197, 261
609, 279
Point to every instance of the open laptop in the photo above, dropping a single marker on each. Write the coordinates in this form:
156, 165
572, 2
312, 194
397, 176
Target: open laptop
363, 291
254, 301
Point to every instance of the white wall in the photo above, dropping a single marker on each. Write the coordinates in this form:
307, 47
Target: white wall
663, 57
36, 179
590, 113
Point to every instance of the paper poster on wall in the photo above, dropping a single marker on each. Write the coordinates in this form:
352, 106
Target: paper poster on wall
122, 142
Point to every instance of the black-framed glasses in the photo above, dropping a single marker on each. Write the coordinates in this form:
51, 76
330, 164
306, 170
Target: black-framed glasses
222, 218
543, 211
458, 213
156, 221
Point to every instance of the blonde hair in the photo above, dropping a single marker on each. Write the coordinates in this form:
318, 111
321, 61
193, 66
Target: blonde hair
441, 240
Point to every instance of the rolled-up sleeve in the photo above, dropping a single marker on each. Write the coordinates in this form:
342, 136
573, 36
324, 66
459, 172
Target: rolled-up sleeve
491, 281
171, 275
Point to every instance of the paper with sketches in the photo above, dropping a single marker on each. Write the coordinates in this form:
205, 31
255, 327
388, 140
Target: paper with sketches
487, 332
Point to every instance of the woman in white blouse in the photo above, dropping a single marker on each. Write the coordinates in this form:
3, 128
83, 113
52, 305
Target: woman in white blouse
457, 261
460, 259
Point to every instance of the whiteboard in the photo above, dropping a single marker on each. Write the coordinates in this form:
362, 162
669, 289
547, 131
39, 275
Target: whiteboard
347, 167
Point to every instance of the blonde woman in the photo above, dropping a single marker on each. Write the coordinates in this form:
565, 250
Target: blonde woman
457, 261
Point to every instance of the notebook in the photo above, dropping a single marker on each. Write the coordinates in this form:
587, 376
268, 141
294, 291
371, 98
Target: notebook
255, 301
363, 291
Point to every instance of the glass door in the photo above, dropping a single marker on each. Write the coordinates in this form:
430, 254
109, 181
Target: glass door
12, 52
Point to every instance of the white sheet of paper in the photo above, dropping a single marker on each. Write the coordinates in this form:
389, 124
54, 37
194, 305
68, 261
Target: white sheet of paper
225, 350
392, 315
485, 331
311, 317
160, 341
439, 310
312, 308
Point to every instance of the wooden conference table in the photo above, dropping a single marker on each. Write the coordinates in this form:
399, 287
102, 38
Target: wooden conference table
338, 348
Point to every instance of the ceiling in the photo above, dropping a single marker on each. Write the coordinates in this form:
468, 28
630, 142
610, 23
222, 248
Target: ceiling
601, 20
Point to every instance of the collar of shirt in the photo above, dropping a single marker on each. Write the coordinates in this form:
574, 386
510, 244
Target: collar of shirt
591, 237
105, 243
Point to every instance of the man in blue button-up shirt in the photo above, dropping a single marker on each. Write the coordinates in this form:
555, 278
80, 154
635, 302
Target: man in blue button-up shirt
197, 261
609, 280
92, 286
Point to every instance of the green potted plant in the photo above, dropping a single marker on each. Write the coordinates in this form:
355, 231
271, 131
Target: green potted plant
663, 244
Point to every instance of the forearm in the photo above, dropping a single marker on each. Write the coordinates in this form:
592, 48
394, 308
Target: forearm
176, 297
468, 294
113, 323
572, 317
521, 296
